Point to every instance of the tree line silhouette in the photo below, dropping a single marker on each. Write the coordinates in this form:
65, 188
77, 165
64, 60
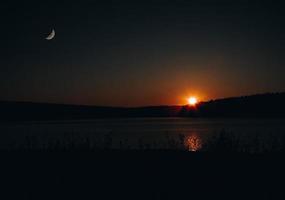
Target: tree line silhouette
262, 105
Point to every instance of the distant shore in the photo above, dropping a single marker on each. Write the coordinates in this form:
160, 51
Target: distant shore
270, 105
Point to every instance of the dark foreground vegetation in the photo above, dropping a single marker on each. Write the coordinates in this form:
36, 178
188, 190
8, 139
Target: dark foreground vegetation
222, 142
223, 169
263, 105
141, 175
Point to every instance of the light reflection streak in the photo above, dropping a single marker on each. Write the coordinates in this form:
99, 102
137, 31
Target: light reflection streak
193, 142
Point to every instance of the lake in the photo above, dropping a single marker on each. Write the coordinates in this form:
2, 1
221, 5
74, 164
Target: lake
133, 132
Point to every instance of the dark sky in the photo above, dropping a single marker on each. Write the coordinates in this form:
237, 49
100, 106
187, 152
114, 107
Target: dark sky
132, 53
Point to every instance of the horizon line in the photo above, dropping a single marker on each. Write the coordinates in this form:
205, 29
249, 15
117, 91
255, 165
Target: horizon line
141, 106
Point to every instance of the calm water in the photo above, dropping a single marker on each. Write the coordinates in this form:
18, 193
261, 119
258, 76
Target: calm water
129, 131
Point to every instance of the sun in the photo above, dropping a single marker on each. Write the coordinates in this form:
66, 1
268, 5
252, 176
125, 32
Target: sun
192, 101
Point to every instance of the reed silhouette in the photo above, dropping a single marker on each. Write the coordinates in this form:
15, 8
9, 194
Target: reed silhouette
220, 143
223, 168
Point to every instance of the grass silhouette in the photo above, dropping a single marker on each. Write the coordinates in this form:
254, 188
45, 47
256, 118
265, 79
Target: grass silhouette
222, 142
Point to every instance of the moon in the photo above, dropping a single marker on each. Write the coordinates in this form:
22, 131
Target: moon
51, 35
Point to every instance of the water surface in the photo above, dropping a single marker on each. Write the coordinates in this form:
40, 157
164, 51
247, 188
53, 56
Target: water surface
131, 130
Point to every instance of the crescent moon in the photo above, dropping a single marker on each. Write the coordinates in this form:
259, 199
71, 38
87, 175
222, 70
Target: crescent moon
51, 35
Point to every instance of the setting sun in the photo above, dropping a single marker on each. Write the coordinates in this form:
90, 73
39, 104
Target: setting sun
192, 101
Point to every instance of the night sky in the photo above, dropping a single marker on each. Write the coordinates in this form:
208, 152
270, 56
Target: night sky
136, 53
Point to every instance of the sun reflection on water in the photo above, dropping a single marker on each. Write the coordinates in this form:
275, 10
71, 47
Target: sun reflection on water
193, 142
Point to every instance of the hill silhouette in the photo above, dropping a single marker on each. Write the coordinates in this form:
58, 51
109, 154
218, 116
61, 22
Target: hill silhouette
261, 105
